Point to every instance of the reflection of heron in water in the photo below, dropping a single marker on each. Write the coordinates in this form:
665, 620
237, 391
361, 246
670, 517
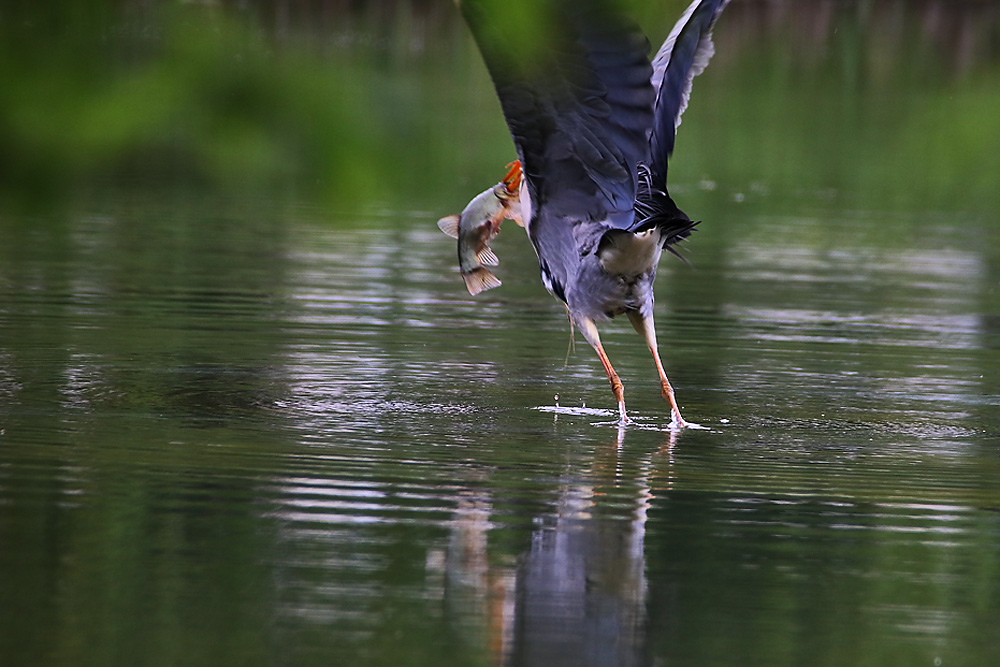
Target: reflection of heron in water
577, 596
594, 121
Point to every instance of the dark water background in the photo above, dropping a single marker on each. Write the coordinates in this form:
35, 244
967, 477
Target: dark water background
249, 416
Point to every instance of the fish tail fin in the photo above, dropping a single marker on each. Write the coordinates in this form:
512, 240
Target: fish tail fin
480, 280
449, 225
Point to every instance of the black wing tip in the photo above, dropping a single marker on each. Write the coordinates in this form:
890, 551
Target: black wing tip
671, 241
655, 208
674, 233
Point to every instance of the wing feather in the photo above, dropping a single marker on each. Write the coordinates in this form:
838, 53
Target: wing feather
684, 55
573, 78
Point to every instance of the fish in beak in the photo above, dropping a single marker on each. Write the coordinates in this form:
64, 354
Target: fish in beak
479, 223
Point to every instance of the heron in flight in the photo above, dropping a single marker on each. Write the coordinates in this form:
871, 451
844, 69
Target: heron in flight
593, 121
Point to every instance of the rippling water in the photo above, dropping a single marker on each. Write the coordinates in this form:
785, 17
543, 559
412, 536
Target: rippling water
234, 431
315, 448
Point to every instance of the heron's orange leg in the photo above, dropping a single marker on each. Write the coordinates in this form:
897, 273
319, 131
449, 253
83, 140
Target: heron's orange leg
646, 328
589, 331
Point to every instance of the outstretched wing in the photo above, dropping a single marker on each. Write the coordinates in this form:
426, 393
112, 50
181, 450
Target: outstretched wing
573, 78
683, 56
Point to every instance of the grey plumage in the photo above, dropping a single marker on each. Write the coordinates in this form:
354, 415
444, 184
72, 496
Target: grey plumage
593, 121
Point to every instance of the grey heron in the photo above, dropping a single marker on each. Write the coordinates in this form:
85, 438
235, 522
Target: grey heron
593, 121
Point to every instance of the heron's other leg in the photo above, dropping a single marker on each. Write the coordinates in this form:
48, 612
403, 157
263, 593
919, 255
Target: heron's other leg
645, 327
571, 348
589, 331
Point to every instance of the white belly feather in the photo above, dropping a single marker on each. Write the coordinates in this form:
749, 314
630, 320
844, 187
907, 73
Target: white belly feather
630, 254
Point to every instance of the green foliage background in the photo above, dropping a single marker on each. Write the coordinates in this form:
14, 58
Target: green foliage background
386, 104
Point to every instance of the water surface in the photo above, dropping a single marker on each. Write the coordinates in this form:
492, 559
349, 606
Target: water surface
239, 430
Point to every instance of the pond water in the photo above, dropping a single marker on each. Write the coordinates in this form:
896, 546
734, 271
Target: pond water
235, 431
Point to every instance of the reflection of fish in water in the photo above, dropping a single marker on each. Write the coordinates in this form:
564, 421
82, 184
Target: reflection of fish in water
479, 223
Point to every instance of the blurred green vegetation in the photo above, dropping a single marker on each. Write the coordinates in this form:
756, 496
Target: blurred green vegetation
871, 105
386, 105
99, 92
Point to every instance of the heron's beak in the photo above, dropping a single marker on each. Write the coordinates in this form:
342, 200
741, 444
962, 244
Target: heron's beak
512, 181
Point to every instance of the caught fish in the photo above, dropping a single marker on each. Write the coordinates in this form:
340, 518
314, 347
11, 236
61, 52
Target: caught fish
479, 223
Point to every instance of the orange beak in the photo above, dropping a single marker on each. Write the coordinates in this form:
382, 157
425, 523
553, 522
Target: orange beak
512, 180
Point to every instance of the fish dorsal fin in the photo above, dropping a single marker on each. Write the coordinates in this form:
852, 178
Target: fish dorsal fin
449, 225
487, 257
